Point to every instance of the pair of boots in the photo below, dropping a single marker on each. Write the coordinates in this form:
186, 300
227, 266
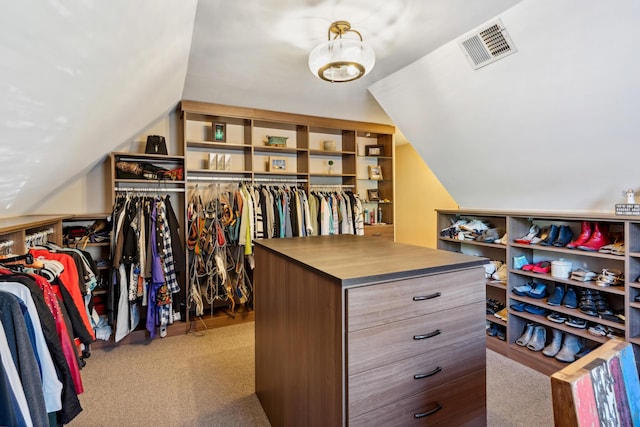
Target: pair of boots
533, 337
563, 351
591, 239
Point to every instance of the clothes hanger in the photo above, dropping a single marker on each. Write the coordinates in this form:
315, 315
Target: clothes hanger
26, 260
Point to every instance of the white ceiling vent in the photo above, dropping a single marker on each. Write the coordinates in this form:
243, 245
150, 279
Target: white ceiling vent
487, 44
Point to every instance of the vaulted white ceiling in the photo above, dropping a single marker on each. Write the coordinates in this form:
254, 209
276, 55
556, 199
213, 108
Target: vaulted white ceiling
79, 77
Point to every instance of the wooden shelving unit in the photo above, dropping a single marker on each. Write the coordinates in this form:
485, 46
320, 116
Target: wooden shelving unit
247, 155
517, 224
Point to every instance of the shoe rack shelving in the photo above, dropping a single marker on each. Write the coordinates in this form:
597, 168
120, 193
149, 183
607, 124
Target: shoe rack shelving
491, 251
621, 299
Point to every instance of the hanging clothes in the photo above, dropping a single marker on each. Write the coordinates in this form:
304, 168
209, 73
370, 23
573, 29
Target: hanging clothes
147, 257
14, 324
56, 335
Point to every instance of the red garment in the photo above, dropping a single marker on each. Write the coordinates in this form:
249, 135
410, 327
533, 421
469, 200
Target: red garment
70, 280
68, 347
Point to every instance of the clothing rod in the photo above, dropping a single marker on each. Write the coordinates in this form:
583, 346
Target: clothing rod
218, 178
283, 180
40, 233
150, 189
6, 244
232, 179
333, 185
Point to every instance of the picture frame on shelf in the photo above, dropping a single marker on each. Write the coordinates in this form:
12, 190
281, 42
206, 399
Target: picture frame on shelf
373, 195
220, 132
375, 172
374, 150
277, 164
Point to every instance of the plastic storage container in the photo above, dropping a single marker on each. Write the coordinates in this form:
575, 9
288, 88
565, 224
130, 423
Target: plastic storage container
561, 268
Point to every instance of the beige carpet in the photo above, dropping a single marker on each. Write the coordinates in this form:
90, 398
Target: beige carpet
208, 380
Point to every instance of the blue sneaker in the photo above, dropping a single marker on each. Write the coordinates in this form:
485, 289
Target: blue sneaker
570, 299
534, 309
518, 306
522, 290
538, 291
557, 296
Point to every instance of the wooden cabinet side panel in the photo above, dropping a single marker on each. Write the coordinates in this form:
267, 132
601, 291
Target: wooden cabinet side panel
299, 344
270, 335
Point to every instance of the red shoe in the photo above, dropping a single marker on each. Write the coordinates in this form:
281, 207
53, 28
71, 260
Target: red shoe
542, 267
597, 240
583, 237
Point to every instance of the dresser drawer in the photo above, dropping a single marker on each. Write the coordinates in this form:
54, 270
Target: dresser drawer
373, 305
386, 384
373, 347
379, 231
458, 403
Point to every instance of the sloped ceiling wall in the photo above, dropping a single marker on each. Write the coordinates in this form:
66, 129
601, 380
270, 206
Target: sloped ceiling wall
552, 127
78, 79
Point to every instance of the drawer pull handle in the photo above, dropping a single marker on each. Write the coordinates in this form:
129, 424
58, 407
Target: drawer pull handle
428, 374
425, 297
431, 412
425, 336
377, 234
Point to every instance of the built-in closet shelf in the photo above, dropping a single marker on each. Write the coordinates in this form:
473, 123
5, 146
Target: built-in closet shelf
618, 290
578, 252
535, 359
149, 182
331, 153
376, 157
573, 312
259, 149
497, 345
516, 225
472, 242
15, 231
331, 175
216, 172
218, 145
153, 158
501, 286
91, 245
497, 320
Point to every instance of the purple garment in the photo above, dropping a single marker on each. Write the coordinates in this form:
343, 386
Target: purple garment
157, 276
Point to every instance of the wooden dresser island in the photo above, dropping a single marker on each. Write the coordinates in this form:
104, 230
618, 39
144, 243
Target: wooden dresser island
360, 331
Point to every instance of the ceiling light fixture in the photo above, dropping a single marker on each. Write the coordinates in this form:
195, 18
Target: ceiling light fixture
341, 59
